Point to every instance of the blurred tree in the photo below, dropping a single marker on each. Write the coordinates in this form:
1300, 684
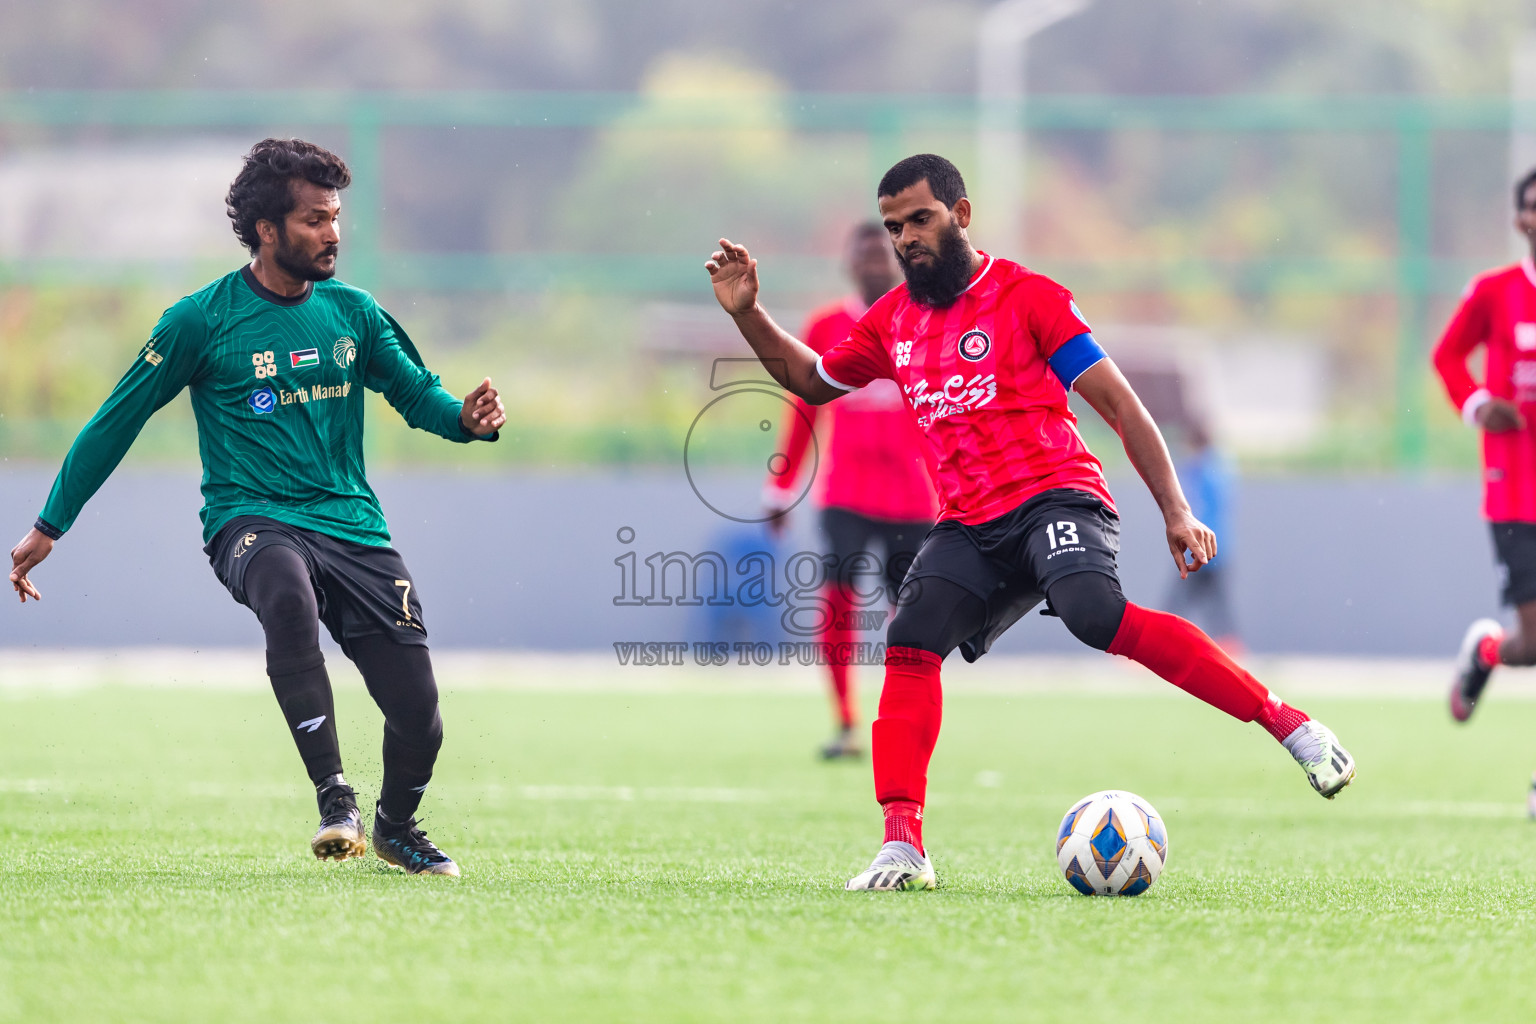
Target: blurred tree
645, 186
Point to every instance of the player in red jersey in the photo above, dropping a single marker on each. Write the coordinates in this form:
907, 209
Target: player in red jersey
985, 352
871, 486
1498, 313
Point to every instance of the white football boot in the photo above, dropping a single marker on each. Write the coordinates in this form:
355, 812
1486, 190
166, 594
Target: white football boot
1328, 765
897, 867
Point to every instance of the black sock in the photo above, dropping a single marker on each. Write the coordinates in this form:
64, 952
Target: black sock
407, 771
399, 677
303, 691
333, 791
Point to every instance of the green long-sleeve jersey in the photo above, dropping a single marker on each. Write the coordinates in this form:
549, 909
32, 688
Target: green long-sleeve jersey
277, 388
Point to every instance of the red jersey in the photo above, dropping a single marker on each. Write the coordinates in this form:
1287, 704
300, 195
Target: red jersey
872, 464
986, 380
1498, 312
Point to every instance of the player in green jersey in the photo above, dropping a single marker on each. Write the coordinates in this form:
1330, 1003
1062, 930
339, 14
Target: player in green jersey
277, 356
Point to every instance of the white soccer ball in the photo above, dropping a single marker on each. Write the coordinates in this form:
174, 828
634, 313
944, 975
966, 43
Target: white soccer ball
1112, 843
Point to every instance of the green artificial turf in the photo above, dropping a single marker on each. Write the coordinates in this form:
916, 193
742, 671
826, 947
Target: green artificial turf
680, 857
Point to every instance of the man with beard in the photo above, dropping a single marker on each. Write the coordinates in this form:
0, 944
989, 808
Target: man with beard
277, 355
873, 487
985, 352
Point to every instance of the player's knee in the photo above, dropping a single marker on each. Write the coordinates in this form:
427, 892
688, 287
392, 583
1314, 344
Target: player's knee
289, 606
917, 619
279, 590
421, 718
399, 677
934, 615
1091, 606
290, 622
910, 628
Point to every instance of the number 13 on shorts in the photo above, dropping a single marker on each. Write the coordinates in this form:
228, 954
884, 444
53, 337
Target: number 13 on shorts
1062, 534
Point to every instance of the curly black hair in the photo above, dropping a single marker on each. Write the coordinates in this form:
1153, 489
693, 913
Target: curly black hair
943, 178
261, 191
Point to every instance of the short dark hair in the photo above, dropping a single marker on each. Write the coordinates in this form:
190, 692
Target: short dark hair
943, 178
865, 230
1521, 188
263, 189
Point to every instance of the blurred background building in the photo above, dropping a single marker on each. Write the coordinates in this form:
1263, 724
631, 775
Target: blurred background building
1273, 203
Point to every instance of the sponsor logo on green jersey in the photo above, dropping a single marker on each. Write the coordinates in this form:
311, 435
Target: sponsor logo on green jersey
315, 393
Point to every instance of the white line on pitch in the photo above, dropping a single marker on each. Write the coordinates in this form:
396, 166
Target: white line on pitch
560, 793
625, 794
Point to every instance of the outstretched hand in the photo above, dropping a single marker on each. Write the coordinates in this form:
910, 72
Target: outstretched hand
34, 547
733, 272
1188, 534
483, 414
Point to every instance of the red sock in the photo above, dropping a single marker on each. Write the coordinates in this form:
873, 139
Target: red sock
904, 733
1179, 652
1280, 718
839, 604
904, 823
1488, 649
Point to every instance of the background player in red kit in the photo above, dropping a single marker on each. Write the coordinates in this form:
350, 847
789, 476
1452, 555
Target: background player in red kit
985, 351
871, 486
1498, 313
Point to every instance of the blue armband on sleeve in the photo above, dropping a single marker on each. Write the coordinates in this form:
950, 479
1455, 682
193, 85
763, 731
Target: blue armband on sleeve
1074, 357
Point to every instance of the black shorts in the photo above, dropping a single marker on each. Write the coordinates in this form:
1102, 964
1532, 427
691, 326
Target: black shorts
854, 537
1011, 561
362, 590
1515, 546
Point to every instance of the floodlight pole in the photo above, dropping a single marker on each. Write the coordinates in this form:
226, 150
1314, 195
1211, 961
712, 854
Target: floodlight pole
1000, 134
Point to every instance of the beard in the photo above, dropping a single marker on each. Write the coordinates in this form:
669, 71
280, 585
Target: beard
940, 282
297, 264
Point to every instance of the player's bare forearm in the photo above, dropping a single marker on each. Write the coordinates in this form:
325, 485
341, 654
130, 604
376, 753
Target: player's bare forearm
787, 359
1105, 388
733, 275
1144, 444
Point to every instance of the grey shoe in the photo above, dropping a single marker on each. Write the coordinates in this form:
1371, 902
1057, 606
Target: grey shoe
897, 867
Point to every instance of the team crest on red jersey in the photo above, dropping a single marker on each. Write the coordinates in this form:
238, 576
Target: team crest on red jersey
974, 345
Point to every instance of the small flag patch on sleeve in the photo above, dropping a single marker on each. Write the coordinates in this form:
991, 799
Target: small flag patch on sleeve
304, 357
